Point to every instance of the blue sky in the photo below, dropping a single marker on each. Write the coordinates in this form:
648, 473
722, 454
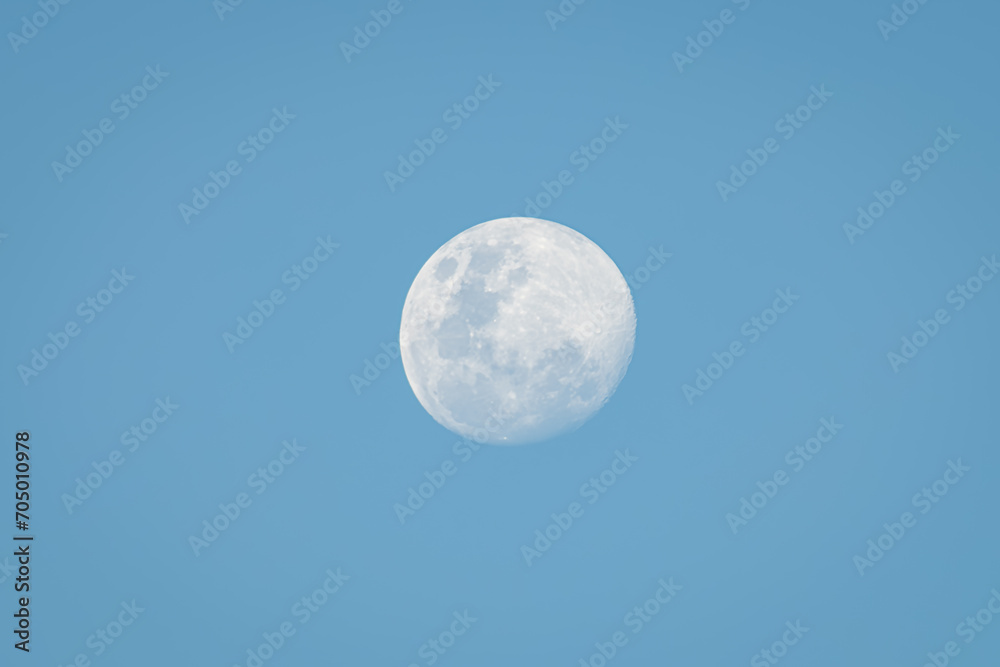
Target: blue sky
256, 119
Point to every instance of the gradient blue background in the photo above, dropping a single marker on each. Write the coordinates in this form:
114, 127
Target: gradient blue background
655, 186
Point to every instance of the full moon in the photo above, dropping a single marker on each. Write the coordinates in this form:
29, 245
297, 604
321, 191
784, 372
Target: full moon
516, 330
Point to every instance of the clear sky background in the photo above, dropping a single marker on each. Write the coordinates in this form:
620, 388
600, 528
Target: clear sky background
323, 176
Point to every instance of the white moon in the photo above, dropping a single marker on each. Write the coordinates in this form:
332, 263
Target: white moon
516, 330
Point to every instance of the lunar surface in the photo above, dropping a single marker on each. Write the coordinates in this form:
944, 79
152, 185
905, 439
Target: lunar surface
516, 330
